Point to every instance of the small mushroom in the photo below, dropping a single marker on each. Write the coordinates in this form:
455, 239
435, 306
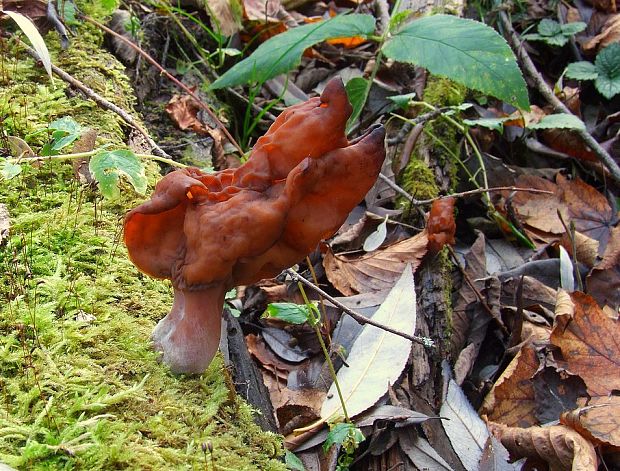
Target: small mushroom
210, 232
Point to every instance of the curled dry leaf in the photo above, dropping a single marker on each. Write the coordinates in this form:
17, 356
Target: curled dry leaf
375, 271
599, 423
512, 400
561, 447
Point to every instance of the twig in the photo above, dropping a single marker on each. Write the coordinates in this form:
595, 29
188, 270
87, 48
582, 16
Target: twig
81, 155
101, 101
425, 341
414, 201
172, 78
547, 93
404, 131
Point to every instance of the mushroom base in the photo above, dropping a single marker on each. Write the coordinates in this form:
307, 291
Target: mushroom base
189, 336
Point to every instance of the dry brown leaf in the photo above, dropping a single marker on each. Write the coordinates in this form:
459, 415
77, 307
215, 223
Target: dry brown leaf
475, 268
599, 423
604, 281
262, 10
561, 447
377, 270
590, 345
586, 248
512, 400
183, 110
610, 33
267, 358
223, 13
574, 199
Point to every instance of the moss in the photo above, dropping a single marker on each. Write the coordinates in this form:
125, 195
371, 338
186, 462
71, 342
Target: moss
80, 387
418, 180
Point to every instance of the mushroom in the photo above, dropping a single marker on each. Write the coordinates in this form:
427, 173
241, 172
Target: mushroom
210, 232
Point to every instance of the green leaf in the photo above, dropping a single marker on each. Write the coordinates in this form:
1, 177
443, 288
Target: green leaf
581, 70
288, 312
466, 51
356, 91
559, 121
292, 462
66, 124
342, 432
496, 124
283, 52
549, 27
107, 167
402, 101
575, 27
30, 30
9, 170
608, 65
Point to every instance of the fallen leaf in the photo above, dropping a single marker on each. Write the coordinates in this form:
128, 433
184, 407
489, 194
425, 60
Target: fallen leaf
561, 447
377, 357
599, 423
475, 269
590, 345
512, 400
610, 33
224, 14
467, 432
183, 110
575, 200
603, 282
421, 453
495, 457
377, 270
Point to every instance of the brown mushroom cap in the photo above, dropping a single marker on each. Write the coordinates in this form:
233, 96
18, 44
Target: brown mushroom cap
209, 232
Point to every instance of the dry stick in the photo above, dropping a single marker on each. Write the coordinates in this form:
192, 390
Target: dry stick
427, 342
545, 91
101, 101
404, 193
173, 79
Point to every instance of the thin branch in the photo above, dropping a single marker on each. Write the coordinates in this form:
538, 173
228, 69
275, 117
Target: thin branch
173, 79
425, 341
81, 155
101, 101
414, 201
547, 93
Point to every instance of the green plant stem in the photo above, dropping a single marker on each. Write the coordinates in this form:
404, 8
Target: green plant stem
81, 155
332, 370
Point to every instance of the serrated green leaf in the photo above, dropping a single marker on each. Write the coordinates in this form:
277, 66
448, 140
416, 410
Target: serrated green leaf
292, 462
559, 121
108, 166
357, 92
497, 124
283, 52
575, 27
548, 27
9, 170
581, 70
466, 51
340, 433
608, 66
288, 312
35, 38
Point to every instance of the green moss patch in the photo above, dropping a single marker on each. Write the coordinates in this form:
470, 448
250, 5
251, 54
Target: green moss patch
80, 387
